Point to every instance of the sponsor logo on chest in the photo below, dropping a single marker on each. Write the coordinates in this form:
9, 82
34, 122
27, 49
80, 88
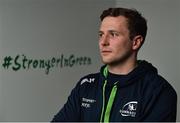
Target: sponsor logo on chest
86, 103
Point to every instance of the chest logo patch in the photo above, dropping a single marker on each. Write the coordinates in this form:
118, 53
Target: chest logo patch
129, 109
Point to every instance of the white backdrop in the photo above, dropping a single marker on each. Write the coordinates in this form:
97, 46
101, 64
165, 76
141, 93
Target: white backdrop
45, 30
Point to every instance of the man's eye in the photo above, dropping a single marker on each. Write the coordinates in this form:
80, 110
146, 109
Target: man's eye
114, 34
100, 34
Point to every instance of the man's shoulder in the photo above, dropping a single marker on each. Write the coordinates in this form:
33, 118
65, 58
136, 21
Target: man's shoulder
158, 83
89, 79
88, 83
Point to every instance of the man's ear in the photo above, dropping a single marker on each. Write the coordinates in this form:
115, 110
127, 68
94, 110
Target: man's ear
137, 42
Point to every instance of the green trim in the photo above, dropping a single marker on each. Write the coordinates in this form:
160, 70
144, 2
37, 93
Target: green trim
104, 86
105, 72
110, 103
111, 98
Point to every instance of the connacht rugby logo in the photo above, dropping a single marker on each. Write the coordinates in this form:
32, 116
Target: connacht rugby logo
129, 109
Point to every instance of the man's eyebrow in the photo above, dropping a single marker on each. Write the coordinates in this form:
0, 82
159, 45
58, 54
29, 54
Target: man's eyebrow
100, 31
113, 31
109, 31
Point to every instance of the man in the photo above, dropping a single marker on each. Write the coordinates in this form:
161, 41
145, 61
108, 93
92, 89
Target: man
125, 89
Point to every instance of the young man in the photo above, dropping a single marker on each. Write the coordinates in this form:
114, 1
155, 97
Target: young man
125, 89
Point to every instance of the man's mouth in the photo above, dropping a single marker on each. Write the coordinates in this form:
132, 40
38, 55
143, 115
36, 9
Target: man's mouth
105, 52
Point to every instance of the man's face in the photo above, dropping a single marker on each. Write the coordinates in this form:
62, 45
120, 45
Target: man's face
114, 42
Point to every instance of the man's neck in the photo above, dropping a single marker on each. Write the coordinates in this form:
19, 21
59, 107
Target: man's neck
123, 68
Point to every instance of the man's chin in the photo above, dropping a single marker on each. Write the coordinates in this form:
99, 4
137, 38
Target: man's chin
112, 63
106, 62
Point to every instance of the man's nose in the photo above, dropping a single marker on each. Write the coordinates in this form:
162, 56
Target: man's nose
104, 40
